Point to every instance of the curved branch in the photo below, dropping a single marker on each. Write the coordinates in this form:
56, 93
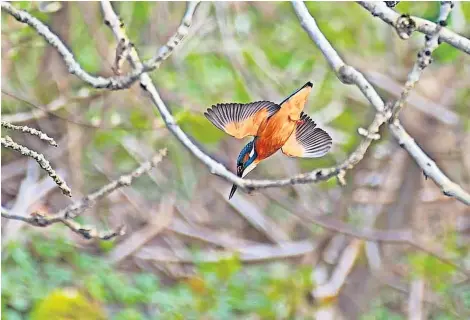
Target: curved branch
125, 48
217, 168
38, 220
41, 135
429, 167
113, 83
164, 52
349, 75
424, 58
76, 208
380, 10
7, 142
66, 215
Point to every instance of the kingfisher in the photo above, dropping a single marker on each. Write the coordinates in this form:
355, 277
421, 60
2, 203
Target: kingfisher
273, 126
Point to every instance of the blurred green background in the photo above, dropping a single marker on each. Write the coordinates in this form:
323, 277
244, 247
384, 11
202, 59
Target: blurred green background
235, 52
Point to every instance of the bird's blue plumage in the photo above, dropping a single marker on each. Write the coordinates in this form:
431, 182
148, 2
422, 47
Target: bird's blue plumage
246, 150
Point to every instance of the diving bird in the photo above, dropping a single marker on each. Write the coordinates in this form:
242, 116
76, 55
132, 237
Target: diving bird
274, 126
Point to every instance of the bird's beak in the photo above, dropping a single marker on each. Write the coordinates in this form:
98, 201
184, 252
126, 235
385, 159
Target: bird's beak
234, 187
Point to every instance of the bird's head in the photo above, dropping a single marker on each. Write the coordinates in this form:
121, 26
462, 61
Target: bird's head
245, 163
246, 160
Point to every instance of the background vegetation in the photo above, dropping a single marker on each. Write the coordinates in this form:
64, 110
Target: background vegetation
177, 218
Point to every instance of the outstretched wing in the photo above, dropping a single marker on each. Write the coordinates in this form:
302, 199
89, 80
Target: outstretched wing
295, 103
240, 120
307, 141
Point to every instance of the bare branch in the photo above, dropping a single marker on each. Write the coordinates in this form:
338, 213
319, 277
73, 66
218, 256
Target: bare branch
217, 168
41, 135
125, 48
430, 168
65, 215
424, 105
424, 58
349, 75
43, 163
39, 220
113, 83
91, 233
182, 32
380, 10
79, 207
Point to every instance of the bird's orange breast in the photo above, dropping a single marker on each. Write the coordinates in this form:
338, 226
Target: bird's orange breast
273, 134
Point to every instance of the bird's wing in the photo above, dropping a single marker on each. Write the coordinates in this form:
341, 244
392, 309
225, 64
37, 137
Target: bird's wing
240, 120
295, 103
307, 141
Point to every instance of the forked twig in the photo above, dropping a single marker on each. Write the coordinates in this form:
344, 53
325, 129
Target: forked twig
7, 142
73, 210
349, 75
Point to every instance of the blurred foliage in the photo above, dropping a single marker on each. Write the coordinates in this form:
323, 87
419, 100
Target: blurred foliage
47, 278
210, 76
66, 304
38, 278
278, 56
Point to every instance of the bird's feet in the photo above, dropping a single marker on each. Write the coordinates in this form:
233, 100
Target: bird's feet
299, 122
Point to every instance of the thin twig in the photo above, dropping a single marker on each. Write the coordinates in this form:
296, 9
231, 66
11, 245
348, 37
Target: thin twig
65, 215
114, 83
430, 168
79, 207
118, 28
380, 10
125, 48
37, 219
216, 167
424, 105
7, 142
183, 30
349, 75
424, 58
41, 135
91, 233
